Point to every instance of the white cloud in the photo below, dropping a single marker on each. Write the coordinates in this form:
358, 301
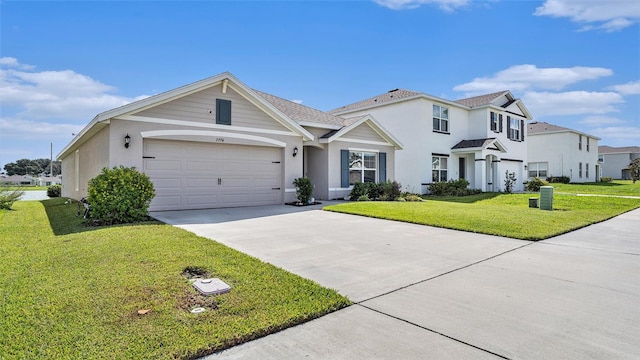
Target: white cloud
445, 5
29, 129
297, 101
54, 94
526, 77
630, 88
620, 135
13, 62
601, 120
610, 15
571, 102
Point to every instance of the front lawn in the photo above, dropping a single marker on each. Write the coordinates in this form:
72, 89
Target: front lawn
74, 292
497, 214
616, 187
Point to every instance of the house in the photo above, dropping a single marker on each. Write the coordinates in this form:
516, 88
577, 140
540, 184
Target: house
48, 180
478, 138
17, 180
615, 161
559, 151
218, 143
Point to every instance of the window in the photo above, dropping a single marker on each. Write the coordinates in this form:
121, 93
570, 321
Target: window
579, 142
223, 112
586, 170
514, 128
439, 168
601, 158
580, 170
440, 118
494, 122
587, 144
362, 167
538, 170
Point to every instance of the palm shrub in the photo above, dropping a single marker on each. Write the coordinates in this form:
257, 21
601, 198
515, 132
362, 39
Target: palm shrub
304, 189
54, 190
535, 184
8, 197
120, 195
509, 181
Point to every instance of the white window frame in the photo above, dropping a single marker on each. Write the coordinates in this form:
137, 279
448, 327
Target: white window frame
580, 170
493, 121
588, 143
579, 142
538, 167
514, 132
438, 116
438, 169
364, 168
601, 158
586, 170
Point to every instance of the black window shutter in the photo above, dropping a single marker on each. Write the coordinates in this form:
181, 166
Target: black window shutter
223, 112
509, 127
500, 117
382, 160
344, 168
521, 130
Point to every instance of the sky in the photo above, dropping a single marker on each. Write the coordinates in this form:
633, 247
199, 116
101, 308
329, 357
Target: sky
574, 63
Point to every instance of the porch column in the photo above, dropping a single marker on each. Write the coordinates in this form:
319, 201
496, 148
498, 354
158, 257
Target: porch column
480, 178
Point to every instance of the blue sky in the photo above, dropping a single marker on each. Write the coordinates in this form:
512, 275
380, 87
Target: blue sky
575, 63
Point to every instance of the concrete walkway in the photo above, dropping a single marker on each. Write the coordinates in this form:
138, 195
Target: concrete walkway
424, 292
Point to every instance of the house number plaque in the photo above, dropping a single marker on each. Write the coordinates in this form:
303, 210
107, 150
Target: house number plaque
219, 140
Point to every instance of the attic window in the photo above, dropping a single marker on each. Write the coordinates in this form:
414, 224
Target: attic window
223, 112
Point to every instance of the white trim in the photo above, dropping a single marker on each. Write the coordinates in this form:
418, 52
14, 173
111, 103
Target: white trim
369, 142
289, 190
162, 133
341, 189
203, 125
320, 126
363, 150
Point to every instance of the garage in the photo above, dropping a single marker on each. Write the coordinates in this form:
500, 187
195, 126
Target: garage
198, 175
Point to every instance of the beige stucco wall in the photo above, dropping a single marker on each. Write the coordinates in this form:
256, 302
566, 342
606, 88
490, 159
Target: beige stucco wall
93, 156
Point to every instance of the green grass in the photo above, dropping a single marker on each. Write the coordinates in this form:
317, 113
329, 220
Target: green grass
497, 214
23, 188
71, 291
616, 187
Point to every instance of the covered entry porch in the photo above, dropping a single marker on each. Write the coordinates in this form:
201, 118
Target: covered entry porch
479, 162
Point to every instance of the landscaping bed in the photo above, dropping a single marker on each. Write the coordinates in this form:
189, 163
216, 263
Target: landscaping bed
68, 290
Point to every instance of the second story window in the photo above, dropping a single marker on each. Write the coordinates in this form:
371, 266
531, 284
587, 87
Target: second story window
587, 144
494, 122
579, 142
514, 128
440, 118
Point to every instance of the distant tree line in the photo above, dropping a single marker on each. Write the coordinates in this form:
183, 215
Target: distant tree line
33, 167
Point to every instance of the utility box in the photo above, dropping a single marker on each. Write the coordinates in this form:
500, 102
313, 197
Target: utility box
533, 202
546, 198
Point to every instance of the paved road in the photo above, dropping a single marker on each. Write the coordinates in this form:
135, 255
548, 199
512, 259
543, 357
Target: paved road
34, 195
424, 292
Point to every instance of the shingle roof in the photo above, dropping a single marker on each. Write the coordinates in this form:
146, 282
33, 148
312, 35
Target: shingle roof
379, 99
542, 127
480, 100
301, 113
604, 149
475, 143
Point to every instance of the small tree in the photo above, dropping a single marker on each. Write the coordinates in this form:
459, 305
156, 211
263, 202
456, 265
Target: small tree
304, 189
120, 195
8, 197
509, 181
634, 167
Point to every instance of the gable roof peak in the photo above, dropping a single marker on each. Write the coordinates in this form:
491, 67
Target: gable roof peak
485, 99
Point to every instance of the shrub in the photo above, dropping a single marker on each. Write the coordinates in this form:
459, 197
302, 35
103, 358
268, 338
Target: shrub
384, 191
358, 190
452, 188
634, 169
606, 179
509, 181
558, 179
8, 197
535, 184
412, 197
304, 189
54, 190
390, 190
120, 195
363, 198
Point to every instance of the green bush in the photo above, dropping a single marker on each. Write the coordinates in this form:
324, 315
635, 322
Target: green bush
358, 190
384, 191
120, 195
558, 179
606, 179
363, 198
304, 189
411, 197
535, 184
8, 197
54, 190
452, 188
509, 181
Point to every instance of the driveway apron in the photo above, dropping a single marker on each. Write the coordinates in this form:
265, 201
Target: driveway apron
424, 292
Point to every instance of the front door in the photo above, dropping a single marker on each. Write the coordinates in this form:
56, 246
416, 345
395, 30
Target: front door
462, 166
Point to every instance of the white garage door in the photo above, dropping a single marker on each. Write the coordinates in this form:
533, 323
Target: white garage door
192, 175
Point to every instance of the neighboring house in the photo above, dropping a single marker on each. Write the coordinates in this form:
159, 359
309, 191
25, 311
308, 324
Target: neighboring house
218, 143
49, 180
17, 180
478, 138
615, 161
558, 151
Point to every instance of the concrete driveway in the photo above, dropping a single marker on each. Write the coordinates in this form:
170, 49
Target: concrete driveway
424, 292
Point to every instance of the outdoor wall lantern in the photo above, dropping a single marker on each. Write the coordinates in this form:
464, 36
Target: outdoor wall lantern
295, 151
127, 140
